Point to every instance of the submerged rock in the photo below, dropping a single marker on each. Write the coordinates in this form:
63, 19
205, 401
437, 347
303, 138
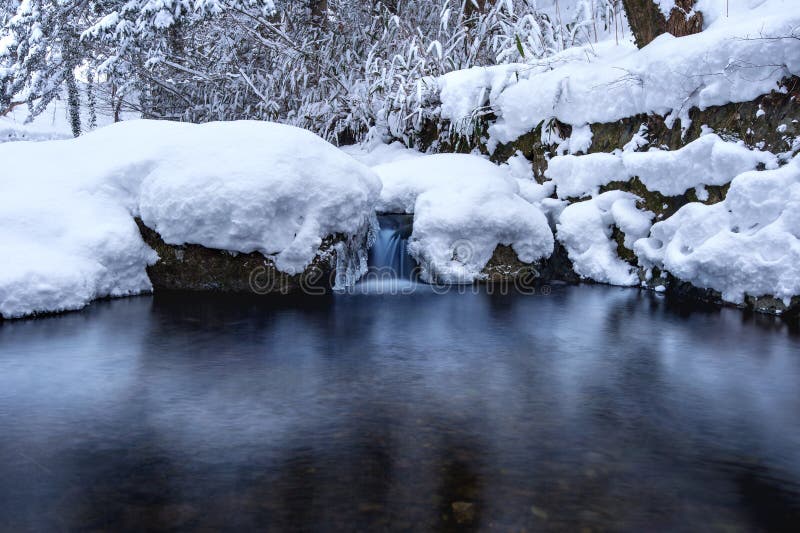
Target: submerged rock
463, 512
683, 290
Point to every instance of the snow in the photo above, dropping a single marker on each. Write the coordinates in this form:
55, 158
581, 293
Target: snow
665, 6
578, 176
585, 230
520, 169
580, 140
404, 180
605, 82
748, 244
67, 207
374, 152
52, 124
464, 207
714, 10
461, 92
709, 160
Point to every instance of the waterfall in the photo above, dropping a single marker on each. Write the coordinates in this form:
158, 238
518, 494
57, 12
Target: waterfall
391, 269
389, 255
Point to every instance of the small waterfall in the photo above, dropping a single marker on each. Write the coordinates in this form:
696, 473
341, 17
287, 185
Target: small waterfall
391, 269
389, 255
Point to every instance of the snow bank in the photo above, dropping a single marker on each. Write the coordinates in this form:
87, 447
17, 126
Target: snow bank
708, 160
67, 207
462, 92
585, 230
749, 244
464, 207
730, 61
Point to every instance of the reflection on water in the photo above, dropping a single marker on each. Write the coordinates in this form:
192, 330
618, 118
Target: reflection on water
592, 407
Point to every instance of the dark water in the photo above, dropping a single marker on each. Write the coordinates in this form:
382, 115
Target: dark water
592, 407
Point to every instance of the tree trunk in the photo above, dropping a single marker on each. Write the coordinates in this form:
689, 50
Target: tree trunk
74, 103
683, 20
648, 22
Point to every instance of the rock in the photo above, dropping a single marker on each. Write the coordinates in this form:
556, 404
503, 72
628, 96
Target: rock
773, 306
769, 122
504, 266
685, 291
191, 267
540, 513
464, 512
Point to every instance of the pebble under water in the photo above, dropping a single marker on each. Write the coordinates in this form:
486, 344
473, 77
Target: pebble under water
591, 408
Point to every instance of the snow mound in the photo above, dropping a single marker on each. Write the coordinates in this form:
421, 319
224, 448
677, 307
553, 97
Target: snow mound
67, 207
403, 181
585, 230
464, 207
708, 160
748, 244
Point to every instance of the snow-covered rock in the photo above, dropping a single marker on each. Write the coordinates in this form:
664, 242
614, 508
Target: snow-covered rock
585, 230
735, 59
464, 207
404, 180
748, 244
708, 160
67, 208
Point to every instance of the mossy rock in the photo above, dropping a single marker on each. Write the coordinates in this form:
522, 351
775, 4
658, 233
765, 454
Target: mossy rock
191, 267
505, 266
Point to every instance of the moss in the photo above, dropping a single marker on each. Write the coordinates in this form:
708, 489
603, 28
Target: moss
735, 120
624, 253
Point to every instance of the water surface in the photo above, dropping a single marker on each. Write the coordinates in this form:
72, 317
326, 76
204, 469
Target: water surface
592, 407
